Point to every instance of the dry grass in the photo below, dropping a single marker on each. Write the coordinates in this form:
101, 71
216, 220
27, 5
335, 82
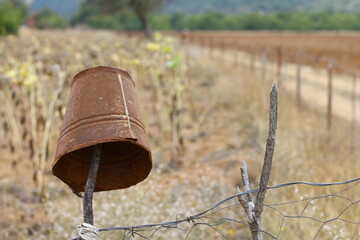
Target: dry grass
224, 121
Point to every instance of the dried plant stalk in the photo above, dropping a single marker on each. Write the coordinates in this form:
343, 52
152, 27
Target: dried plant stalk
49, 116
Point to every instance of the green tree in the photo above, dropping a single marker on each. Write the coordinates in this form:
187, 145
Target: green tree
141, 8
11, 18
20, 5
47, 18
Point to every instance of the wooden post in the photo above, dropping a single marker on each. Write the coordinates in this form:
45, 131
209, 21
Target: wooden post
264, 63
254, 210
212, 47
202, 45
253, 57
208, 45
90, 184
190, 39
223, 46
269, 152
298, 79
329, 103
353, 115
236, 53
279, 65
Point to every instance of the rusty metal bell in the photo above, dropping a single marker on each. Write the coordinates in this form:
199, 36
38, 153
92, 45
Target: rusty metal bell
102, 108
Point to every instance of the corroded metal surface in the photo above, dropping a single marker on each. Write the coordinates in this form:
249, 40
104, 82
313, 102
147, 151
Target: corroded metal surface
102, 108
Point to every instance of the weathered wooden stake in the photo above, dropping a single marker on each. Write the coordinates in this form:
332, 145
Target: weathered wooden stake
298, 80
212, 47
353, 115
329, 104
264, 63
90, 184
252, 210
236, 53
279, 65
208, 46
203, 45
223, 44
252, 57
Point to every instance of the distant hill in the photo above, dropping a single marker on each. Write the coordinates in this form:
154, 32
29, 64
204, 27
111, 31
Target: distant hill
67, 8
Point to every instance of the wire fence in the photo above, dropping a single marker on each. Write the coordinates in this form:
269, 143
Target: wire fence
279, 55
277, 222
297, 70
293, 215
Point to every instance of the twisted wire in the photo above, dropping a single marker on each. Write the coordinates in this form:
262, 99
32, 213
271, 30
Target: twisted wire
199, 218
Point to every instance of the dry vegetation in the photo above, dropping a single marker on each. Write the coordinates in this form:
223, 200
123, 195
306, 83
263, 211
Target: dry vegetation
222, 114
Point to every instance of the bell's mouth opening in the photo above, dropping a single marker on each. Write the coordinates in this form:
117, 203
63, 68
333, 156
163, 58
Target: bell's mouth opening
122, 164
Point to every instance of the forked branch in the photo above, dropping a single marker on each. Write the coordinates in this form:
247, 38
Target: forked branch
254, 211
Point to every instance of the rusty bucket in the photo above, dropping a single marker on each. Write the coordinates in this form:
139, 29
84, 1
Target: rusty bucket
102, 108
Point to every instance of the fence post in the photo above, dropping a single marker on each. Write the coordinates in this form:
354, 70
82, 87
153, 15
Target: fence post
203, 44
279, 65
208, 47
329, 103
353, 114
188, 38
222, 44
251, 57
254, 210
298, 79
236, 53
211, 47
264, 63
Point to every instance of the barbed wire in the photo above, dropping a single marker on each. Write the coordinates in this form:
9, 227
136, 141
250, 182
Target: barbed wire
208, 217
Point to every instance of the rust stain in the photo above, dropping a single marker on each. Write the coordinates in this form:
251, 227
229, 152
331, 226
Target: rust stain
102, 108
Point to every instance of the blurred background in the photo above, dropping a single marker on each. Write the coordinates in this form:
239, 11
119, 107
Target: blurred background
203, 70
182, 15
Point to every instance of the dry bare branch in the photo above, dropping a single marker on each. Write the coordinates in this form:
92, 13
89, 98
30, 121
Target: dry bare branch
269, 152
90, 184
